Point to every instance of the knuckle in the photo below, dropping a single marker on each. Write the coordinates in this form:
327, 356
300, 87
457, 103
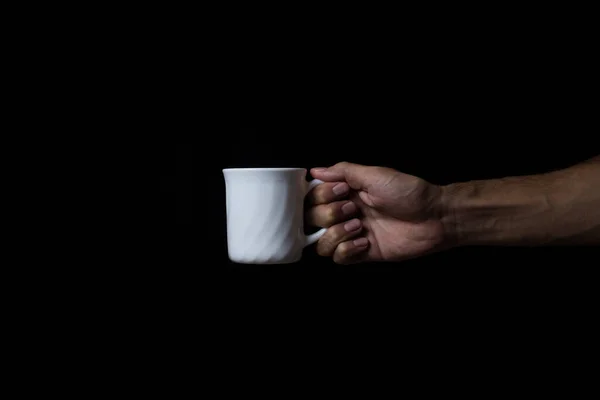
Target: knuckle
319, 194
330, 215
342, 253
344, 249
325, 246
333, 242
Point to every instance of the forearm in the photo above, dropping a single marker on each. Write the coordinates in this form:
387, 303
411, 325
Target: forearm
556, 208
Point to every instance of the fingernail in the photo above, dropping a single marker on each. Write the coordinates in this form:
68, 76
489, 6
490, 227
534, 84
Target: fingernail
361, 242
348, 208
352, 225
319, 169
341, 188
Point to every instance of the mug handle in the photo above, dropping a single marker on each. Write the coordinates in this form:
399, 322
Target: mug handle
313, 237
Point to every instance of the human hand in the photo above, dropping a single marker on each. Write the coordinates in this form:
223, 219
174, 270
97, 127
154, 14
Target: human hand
374, 214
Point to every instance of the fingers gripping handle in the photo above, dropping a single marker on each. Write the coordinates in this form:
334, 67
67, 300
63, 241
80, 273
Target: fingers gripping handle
313, 237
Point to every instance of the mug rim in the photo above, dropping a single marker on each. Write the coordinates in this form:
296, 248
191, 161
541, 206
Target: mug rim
268, 169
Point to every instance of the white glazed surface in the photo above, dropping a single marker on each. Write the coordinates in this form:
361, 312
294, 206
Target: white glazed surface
265, 214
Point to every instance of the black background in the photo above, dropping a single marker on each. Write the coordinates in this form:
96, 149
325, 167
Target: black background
446, 109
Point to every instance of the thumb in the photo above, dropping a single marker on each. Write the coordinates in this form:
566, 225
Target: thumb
356, 175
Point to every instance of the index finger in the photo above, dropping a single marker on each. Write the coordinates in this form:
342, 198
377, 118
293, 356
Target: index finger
327, 192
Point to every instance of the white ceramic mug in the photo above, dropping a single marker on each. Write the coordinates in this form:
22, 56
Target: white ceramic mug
265, 214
